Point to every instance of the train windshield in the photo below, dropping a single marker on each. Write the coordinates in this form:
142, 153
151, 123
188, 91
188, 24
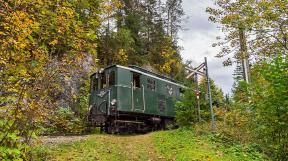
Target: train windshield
107, 80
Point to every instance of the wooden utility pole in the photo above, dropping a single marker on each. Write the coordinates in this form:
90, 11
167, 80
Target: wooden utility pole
244, 55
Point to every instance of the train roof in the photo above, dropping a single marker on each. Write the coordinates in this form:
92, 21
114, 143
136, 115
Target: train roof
148, 73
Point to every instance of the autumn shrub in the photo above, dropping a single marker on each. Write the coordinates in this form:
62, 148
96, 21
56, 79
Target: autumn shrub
235, 125
63, 122
38, 41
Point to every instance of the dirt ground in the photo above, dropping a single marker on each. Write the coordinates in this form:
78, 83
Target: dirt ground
60, 139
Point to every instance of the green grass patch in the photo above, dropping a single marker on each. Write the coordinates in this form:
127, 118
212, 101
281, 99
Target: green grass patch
183, 144
180, 145
100, 147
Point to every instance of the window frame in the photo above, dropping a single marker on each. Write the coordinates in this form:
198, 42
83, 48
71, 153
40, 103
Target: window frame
151, 84
110, 77
136, 82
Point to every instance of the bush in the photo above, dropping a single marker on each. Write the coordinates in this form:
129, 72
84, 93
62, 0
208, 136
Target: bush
11, 147
63, 121
185, 109
269, 95
259, 110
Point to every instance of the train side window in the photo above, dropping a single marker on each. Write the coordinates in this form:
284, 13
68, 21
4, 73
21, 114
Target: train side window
112, 78
151, 84
161, 105
136, 80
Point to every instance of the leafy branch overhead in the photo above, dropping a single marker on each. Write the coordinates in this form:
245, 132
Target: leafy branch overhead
264, 22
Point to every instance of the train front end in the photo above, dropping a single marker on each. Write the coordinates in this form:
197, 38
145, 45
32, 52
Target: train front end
102, 99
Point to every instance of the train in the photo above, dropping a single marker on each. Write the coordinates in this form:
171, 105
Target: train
132, 99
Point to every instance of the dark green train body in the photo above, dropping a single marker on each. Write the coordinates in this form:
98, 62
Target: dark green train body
131, 99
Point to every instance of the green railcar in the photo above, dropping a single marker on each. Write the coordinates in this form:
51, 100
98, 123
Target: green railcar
131, 99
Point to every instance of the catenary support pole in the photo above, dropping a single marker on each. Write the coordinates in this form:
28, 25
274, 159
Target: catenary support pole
198, 97
210, 96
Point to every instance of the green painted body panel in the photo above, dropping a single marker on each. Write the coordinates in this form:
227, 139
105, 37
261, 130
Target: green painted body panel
159, 102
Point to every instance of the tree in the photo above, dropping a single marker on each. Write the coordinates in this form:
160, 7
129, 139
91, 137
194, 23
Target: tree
136, 32
39, 45
269, 95
217, 98
264, 24
186, 107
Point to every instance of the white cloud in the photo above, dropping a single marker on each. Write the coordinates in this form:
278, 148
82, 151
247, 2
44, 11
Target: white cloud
197, 38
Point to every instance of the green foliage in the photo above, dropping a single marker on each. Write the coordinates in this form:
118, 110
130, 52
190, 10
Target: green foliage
258, 110
11, 148
258, 113
186, 109
40, 152
63, 121
269, 95
217, 98
240, 92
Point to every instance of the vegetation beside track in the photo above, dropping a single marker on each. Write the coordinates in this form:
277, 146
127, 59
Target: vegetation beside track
101, 147
181, 144
184, 144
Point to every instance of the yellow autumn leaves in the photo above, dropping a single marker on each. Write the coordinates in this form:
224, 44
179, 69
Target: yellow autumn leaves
168, 58
18, 26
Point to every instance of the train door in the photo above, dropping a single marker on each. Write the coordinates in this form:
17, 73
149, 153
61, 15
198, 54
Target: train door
137, 93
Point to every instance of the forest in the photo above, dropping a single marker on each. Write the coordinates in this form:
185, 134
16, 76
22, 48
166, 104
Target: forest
49, 48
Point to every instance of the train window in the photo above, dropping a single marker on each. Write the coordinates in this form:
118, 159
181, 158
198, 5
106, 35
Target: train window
161, 105
103, 81
151, 84
136, 80
112, 78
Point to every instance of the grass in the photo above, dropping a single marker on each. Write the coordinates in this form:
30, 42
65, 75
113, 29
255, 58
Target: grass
180, 145
101, 147
183, 144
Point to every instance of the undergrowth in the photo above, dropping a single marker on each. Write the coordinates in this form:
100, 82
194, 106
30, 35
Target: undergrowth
184, 144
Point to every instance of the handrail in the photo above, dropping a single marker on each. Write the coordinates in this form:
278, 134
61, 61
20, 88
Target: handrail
132, 97
143, 97
109, 100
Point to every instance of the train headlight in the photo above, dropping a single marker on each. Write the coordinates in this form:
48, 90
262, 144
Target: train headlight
113, 102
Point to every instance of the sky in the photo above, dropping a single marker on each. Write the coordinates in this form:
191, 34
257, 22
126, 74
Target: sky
196, 39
